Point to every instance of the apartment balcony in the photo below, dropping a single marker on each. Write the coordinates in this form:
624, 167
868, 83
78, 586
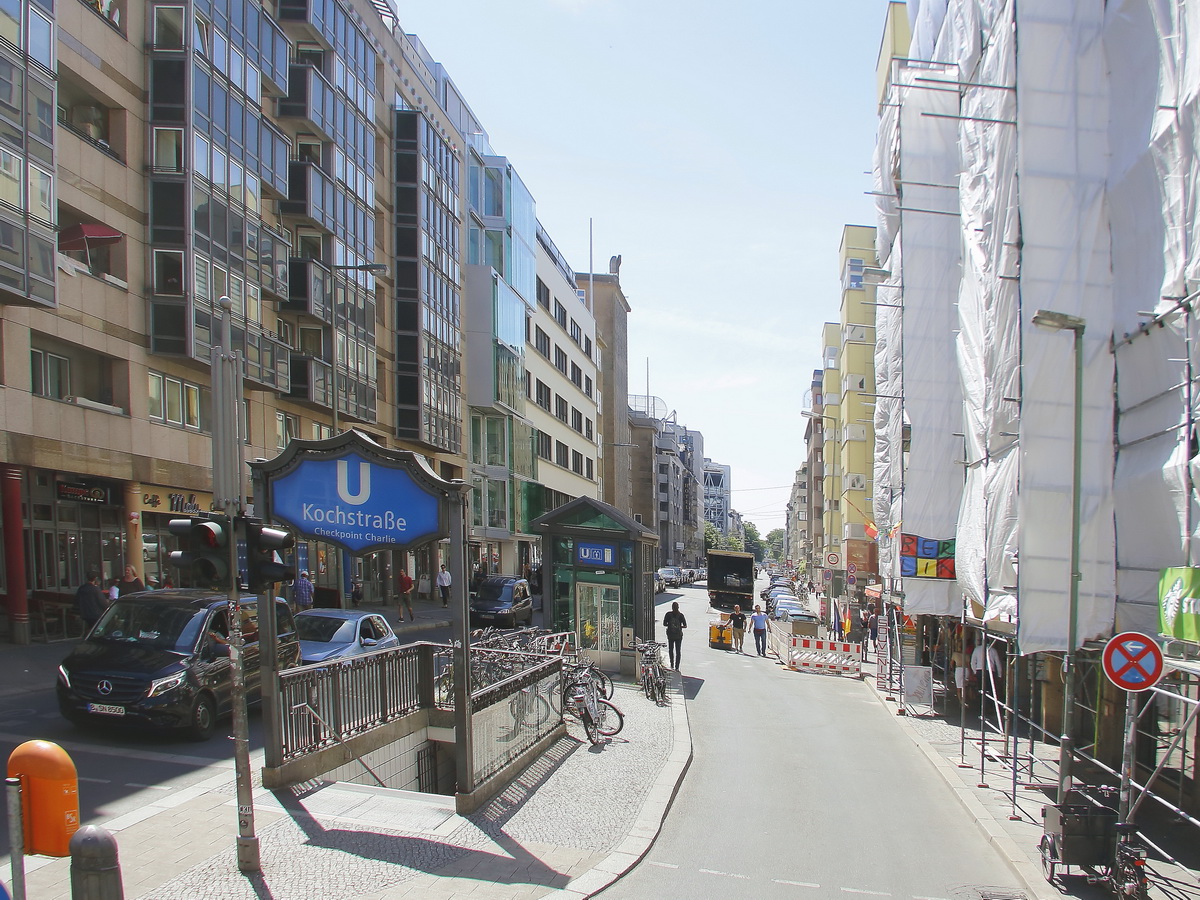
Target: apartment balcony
310, 289
312, 381
311, 195
310, 98
308, 19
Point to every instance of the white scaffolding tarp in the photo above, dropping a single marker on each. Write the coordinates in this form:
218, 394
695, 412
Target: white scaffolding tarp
916, 379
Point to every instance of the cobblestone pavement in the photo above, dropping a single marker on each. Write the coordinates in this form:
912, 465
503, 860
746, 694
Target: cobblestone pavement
571, 823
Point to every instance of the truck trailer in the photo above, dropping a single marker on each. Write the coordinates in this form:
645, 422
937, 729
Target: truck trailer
730, 579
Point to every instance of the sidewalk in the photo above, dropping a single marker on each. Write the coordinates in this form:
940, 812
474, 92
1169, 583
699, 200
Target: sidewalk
1013, 828
571, 824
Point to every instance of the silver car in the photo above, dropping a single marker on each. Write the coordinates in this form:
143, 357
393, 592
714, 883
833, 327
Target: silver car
329, 634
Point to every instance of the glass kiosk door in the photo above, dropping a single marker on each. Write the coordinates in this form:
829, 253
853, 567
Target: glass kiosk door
598, 612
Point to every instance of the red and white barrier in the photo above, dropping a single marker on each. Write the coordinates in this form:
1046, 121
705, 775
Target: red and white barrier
804, 654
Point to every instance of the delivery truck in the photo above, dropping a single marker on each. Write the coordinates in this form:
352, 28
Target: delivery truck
730, 579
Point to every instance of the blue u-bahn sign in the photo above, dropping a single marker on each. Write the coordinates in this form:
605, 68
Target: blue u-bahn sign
352, 492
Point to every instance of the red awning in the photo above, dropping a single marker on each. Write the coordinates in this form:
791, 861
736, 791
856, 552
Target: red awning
87, 234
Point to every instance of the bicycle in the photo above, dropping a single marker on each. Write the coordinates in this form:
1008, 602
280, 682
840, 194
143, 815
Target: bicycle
600, 717
654, 682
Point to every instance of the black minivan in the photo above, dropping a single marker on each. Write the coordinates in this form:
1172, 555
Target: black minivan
160, 659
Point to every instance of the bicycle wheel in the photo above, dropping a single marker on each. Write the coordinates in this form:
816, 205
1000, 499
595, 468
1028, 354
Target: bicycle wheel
443, 689
660, 687
1128, 880
529, 708
592, 729
606, 683
612, 720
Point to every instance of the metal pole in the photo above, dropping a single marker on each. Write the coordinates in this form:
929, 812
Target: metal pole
227, 491
1065, 746
464, 751
1131, 720
16, 836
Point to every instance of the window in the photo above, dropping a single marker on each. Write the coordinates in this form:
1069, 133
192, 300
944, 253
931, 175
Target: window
588, 469
543, 295
562, 454
577, 420
560, 408
852, 278
587, 385
560, 359
286, 428
51, 374
545, 445
560, 314
543, 395
587, 429
576, 332
168, 272
587, 346
168, 28
541, 341
174, 401
576, 462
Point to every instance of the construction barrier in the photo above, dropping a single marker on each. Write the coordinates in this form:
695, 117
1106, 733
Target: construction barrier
805, 654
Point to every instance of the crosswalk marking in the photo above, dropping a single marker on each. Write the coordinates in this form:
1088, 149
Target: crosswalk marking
807, 884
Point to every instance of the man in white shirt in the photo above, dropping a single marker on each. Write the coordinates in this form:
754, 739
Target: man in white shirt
443, 586
758, 622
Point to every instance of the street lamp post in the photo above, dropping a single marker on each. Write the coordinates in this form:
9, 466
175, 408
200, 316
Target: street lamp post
1058, 321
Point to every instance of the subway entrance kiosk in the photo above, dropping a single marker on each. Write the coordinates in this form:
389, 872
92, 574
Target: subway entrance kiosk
598, 579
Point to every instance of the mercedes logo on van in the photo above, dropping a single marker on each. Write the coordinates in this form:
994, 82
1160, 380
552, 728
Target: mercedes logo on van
104, 686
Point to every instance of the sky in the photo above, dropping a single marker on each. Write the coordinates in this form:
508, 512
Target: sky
719, 148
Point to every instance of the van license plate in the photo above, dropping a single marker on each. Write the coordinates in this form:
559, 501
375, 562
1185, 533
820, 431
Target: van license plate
106, 710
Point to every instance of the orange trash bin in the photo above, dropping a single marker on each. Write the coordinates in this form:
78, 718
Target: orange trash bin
49, 796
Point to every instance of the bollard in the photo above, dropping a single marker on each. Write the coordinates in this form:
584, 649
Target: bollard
95, 870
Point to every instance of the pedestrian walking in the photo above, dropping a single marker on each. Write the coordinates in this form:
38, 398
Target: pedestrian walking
873, 629
356, 592
758, 622
302, 592
90, 601
443, 586
674, 622
114, 589
737, 622
406, 586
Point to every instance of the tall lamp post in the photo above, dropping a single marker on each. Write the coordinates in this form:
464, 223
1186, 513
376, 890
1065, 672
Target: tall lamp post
1057, 321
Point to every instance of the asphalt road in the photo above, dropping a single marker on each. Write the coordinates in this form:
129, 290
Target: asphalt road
800, 786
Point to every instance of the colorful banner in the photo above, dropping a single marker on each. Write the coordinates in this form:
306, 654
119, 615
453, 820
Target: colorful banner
1179, 604
926, 557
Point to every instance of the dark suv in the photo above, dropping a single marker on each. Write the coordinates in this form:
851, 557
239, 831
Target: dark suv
161, 659
502, 600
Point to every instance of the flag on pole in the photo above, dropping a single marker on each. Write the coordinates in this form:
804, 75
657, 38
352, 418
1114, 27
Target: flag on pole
871, 531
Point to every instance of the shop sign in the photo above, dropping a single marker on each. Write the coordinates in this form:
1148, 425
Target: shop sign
589, 554
1179, 603
82, 491
183, 503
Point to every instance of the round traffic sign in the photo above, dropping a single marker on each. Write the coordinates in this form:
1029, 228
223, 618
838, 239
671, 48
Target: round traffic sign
850, 579
1133, 661
851, 568
833, 560
828, 575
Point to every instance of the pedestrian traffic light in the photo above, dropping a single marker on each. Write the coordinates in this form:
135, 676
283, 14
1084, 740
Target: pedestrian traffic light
205, 556
264, 562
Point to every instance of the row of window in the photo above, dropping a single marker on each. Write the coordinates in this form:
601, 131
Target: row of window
541, 343
560, 316
562, 455
576, 419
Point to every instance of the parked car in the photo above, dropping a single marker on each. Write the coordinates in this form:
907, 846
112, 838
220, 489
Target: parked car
785, 608
502, 600
160, 659
329, 634
672, 576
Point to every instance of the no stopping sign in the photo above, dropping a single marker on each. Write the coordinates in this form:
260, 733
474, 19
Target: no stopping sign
1133, 661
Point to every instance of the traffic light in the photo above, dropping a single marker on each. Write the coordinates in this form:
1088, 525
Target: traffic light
205, 556
264, 562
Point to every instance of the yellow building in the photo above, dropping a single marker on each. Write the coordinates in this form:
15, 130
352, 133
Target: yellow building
847, 418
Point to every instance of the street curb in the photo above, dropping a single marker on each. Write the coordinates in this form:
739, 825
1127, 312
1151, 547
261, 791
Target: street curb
419, 626
650, 818
1014, 857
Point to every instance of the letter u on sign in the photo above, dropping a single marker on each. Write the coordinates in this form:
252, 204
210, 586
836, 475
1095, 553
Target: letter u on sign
343, 483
